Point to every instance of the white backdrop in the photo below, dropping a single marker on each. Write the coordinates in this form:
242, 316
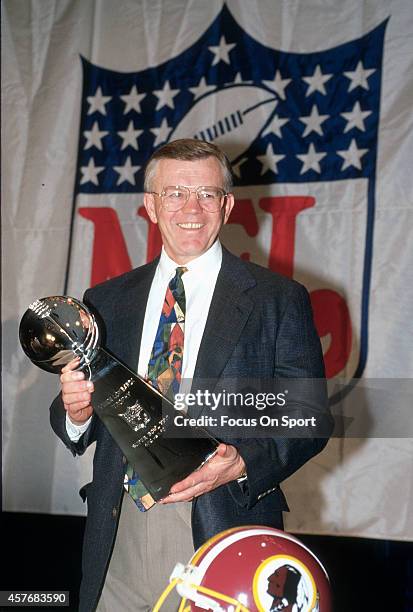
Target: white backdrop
357, 486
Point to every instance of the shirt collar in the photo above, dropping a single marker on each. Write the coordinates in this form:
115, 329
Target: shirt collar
210, 261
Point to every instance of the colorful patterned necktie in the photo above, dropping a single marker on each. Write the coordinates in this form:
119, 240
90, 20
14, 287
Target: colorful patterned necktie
165, 363
164, 368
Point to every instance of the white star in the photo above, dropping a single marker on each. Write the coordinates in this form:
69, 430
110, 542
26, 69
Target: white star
90, 172
162, 132
97, 102
355, 118
275, 125
201, 89
132, 100
270, 160
352, 157
94, 137
313, 122
165, 96
359, 76
130, 137
316, 82
311, 160
126, 172
278, 84
221, 51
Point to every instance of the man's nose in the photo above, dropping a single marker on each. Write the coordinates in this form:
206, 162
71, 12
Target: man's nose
192, 205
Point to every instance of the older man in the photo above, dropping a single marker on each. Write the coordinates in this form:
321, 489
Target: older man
241, 321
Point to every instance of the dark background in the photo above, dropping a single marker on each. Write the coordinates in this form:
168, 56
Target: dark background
44, 552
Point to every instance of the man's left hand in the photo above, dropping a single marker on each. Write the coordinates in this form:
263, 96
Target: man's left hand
226, 465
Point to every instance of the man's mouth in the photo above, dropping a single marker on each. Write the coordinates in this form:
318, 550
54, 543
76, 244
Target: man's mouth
193, 226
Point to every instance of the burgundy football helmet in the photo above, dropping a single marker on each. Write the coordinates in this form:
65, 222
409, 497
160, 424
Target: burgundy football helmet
252, 569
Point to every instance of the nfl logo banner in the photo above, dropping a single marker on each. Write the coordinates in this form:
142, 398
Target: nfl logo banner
320, 138
301, 131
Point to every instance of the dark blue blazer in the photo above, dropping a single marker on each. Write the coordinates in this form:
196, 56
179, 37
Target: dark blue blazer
259, 326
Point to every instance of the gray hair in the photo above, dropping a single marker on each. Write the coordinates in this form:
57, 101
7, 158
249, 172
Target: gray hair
188, 149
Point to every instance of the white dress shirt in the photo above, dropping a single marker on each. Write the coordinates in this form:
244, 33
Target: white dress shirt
199, 283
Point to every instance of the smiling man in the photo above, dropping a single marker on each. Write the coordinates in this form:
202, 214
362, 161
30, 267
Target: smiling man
189, 201
196, 312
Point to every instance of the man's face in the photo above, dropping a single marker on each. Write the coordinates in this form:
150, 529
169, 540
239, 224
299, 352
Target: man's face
189, 232
276, 583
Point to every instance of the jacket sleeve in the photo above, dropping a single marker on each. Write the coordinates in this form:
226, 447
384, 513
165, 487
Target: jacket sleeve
269, 461
58, 423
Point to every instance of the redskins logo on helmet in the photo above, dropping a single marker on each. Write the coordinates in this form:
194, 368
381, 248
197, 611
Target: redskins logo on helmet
251, 569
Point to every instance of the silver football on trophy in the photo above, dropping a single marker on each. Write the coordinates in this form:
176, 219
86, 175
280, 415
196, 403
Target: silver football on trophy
54, 330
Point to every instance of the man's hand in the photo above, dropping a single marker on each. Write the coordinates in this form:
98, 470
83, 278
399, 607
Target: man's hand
76, 393
226, 465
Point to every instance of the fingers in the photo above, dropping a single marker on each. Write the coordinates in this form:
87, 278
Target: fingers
75, 403
186, 496
187, 489
226, 465
81, 415
190, 487
78, 410
191, 483
76, 393
201, 481
76, 389
226, 451
71, 365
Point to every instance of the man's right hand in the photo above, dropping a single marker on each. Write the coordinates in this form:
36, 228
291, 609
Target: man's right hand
76, 393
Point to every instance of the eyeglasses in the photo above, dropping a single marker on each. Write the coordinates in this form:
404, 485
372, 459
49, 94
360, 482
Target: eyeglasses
174, 198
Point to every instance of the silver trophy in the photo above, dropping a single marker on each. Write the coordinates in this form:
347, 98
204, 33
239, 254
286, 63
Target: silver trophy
53, 331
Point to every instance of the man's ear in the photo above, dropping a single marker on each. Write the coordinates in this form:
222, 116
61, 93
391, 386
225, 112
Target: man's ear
149, 203
228, 206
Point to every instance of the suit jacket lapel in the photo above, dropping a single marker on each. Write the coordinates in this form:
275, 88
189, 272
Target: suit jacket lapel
228, 314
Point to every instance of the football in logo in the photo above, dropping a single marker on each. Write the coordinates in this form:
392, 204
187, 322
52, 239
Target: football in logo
232, 118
